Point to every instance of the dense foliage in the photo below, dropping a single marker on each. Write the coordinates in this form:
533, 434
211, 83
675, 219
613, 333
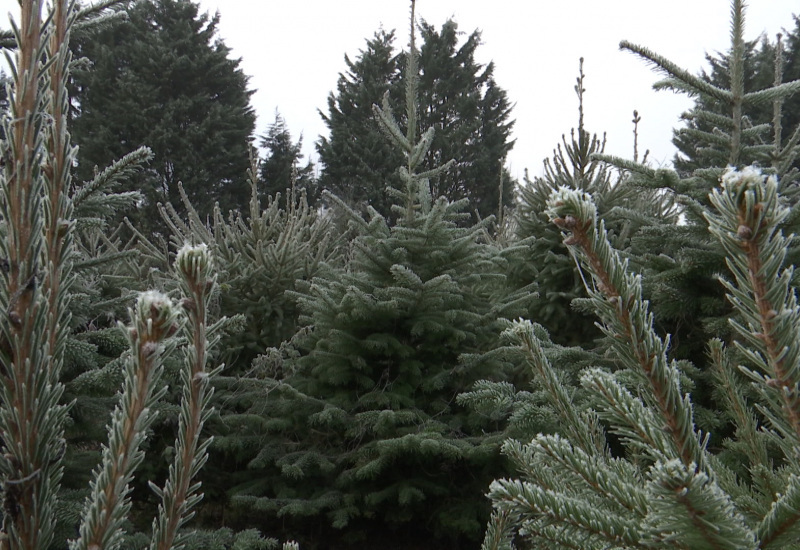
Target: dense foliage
359, 345
458, 97
163, 78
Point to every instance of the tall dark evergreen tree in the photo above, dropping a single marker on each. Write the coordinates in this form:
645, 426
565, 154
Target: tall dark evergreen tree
164, 79
280, 169
357, 161
458, 97
471, 114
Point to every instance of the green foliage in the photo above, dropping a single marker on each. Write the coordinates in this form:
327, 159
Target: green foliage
280, 169
765, 64
680, 262
56, 258
260, 256
358, 162
361, 429
626, 206
162, 78
458, 97
658, 484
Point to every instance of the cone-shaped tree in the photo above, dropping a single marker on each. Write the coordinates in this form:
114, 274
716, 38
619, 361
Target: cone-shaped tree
280, 170
363, 431
162, 78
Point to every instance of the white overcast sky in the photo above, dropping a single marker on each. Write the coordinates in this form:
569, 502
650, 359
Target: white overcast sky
293, 51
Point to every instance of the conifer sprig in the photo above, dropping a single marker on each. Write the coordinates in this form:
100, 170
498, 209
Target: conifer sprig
31, 418
154, 320
749, 213
180, 494
618, 298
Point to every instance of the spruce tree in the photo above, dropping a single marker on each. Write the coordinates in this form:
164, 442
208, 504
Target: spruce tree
280, 170
162, 78
362, 431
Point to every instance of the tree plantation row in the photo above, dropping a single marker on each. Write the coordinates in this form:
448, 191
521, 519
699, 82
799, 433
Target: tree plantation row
404, 347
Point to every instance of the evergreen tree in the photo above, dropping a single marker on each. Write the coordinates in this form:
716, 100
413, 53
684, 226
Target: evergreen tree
163, 79
624, 205
49, 234
765, 64
458, 97
280, 169
471, 114
357, 161
362, 429
640, 445
680, 262
658, 484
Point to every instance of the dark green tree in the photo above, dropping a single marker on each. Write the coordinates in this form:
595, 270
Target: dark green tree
471, 114
280, 170
458, 97
361, 432
357, 161
164, 79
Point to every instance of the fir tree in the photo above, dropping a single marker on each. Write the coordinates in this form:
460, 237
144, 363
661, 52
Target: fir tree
163, 79
362, 430
665, 487
574, 165
681, 261
280, 168
765, 64
358, 162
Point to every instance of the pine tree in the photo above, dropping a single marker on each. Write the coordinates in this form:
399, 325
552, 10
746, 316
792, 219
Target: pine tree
280, 170
458, 97
362, 431
163, 79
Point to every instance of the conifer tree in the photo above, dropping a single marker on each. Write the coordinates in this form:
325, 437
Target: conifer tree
472, 116
162, 78
362, 431
626, 208
38, 283
765, 64
280, 169
660, 485
634, 441
358, 162
458, 96
681, 261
